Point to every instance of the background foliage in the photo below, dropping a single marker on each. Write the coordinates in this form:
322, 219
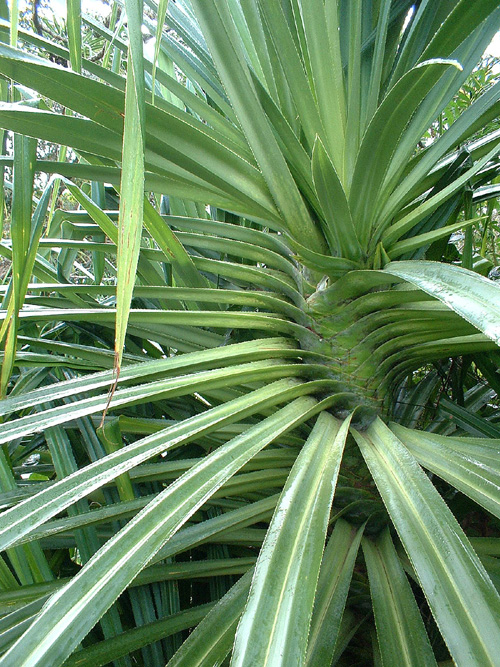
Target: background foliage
250, 330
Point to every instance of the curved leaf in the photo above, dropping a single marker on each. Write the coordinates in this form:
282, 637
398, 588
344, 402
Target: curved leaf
221, 36
383, 135
472, 469
469, 294
60, 627
35, 511
342, 233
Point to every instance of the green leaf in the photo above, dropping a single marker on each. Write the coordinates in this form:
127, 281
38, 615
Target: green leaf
331, 266
468, 420
168, 242
294, 153
179, 386
273, 18
22, 194
474, 117
331, 594
469, 294
378, 60
102, 653
226, 524
14, 22
389, 233
400, 630
49, 502
246, 320
79, 133
409, 245
15, 623
132, 183
464, 17
148, 370
222, 39
160, 22
213, 638
174, 140
353, 25
459, 592
471, 468
275, 623
382, 136
28, 562
59, 628
74, 20
327, 76
331, 195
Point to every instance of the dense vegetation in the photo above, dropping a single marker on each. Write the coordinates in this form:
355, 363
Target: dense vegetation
250, 379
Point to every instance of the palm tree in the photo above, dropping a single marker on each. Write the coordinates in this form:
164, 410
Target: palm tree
283, 309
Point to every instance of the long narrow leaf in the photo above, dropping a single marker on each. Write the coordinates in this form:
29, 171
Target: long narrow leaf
459, 592
400, 630
59, 628
216, 20
275, 623
74, 14
132, 185
212, 640
334, 203
469, 294
331, 595
473, 470
35, 511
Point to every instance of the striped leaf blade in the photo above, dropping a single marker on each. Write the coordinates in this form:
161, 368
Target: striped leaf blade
460, 594
60, 627
333, 586
469, 294
213, 638
473, 469
34, 511
132, 183
400, 630
275, 623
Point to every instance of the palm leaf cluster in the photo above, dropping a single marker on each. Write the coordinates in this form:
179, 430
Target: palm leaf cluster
226, 434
